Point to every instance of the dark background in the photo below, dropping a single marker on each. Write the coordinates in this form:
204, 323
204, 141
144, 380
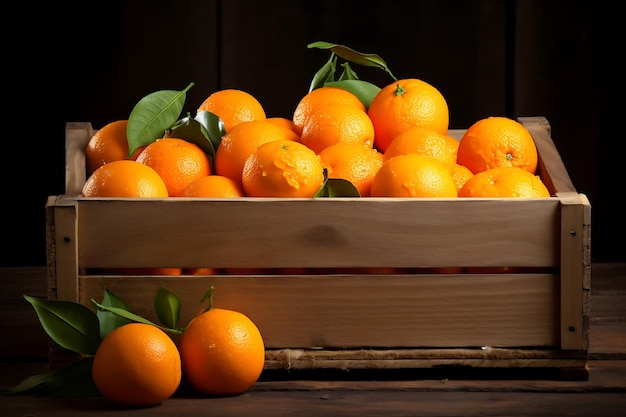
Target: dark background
92, 61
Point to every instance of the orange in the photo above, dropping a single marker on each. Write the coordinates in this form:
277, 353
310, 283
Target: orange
222, 352
215, 186
504, 182
352, 162
137, 365
497, 142
294, 270
453, 143
413, 175
282, 122
282, 168
238, 143
248, 271
494, 269
199, 271
144, 271
108, 144
177, 161
337, 123
424, 141
406, 104
461, 175
233, 107
313, 101
124, 178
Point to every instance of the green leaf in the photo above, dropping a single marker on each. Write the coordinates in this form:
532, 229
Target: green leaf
108, 320
324, 74
167, 306
348, 73
349, 54
193, 130
73, 381
71, 325
213, 125
153, 115
338, 187
133, 317
30, 383
364, 90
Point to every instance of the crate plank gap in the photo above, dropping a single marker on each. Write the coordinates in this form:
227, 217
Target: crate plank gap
533, 317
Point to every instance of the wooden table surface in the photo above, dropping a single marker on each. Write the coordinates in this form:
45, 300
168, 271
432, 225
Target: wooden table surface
25, 346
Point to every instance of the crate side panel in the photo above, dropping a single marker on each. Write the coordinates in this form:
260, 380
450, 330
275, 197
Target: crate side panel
366, 311
573, 270
319, 233
551, 168
77, 136
66, 252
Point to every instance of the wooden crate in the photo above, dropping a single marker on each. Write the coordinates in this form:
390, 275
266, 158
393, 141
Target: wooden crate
534, 317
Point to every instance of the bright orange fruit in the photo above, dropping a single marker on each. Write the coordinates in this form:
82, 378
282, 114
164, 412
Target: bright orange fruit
461, 175
337, 123
316, 99
424, 141
177, 161
125, 178
238, 143
222, 352
352, 162
107, 145
233, 106
496, 142
413, 175
137, 365
508, 182
213, 186
282, 168
405, 104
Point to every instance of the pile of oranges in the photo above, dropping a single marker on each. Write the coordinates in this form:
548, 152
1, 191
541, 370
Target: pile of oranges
396, 146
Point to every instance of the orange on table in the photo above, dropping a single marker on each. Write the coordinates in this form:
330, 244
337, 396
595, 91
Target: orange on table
137, 365
413, 175
461, 175
495, 142
405, 104
177, 161
108, 144
213, 186
282, 168
233, 106
313, 101
509, 182
222, 352
337, 123
125, 178
424, 141
352, 162
238, 143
